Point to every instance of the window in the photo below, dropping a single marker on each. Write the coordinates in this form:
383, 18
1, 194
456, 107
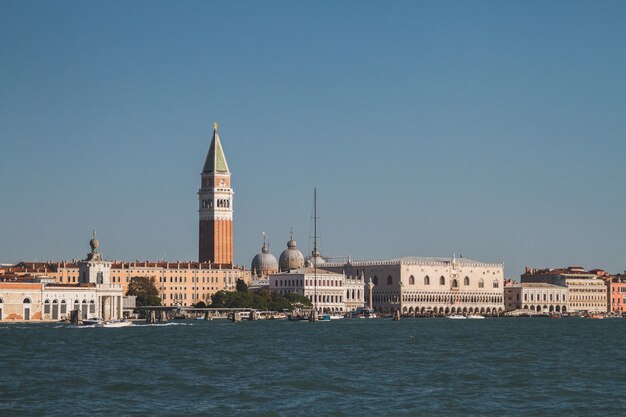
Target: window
455, 283
466, 281
46, 307
481, 283
92, 307
442, 280
411, 280
375, 280
495, 283
63, 307
389, 280
426, 280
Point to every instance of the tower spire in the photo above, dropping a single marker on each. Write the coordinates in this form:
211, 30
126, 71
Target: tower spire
216, 206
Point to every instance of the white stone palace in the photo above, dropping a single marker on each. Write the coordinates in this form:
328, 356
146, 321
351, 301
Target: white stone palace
419, 285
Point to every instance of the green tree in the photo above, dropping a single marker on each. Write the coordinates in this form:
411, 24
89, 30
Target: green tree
144, 289
241, 285
200, 304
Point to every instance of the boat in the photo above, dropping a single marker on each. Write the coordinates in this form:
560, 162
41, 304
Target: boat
115, 323
92, 322
363, 313
456, 317
336, 316
323, 317
297, 317
475, 316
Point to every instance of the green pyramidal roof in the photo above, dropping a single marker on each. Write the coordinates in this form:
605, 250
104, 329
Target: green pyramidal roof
215, 159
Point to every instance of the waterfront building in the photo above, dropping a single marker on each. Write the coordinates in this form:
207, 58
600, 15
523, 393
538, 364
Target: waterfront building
329, 291
616, 293
587, 292
42, 298
216, 207
182, 283
536, 297
421, 285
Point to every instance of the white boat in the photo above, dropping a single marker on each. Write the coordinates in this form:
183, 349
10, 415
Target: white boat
92, 322
336, 316
115, 323
456, 317
475, 316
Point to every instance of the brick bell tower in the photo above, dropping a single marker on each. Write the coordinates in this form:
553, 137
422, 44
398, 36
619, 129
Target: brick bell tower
216, 207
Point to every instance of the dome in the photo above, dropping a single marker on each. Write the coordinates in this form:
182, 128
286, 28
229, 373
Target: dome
315, 258
264, 262
94, 244
291, 258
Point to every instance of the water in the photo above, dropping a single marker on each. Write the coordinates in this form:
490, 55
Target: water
492, 367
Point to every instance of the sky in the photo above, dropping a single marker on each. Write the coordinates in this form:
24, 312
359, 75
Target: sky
495, 130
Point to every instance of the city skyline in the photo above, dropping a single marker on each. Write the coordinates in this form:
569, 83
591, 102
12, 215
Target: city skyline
491, 131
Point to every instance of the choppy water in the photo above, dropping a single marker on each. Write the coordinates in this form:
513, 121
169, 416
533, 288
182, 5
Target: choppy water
424, 367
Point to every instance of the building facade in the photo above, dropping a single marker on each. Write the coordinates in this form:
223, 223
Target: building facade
417, 285
587, 292
216, 207
328, 291
536, 297
616, 293
44, 299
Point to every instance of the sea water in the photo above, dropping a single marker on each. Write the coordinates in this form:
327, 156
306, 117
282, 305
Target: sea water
416, 367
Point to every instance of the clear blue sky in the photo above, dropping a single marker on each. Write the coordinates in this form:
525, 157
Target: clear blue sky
491, 129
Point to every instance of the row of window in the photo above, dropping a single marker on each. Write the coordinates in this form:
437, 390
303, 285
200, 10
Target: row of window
442, 281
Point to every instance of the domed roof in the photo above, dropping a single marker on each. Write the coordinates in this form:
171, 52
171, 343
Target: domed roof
315, 258
291, 258
264, 262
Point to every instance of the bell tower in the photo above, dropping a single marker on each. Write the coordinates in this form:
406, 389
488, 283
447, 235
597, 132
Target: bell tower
216, 207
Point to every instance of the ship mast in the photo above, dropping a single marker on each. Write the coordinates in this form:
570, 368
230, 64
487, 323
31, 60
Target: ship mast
315, 255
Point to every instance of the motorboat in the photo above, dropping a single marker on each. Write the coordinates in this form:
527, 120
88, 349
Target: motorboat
475, 316
456, 317
92, 322
336, 316
114, 323
363, 313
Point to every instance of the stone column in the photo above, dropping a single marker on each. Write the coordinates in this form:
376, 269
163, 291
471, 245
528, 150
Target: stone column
370, 286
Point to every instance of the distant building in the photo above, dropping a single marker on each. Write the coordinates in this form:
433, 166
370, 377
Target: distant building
536, 297
616, 293
587, 292
416, 285
329, 291
27, 298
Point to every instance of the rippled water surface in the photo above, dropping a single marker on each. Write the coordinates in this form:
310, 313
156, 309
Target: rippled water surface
347, 367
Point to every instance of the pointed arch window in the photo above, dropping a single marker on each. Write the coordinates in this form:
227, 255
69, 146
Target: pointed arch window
426, 280
466, 281
389, 280
495, 283
411, 280
442, 280
481, 283
455, 283
375, 280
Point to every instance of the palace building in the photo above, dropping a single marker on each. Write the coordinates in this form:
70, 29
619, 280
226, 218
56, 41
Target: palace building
421, 285
216, 207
